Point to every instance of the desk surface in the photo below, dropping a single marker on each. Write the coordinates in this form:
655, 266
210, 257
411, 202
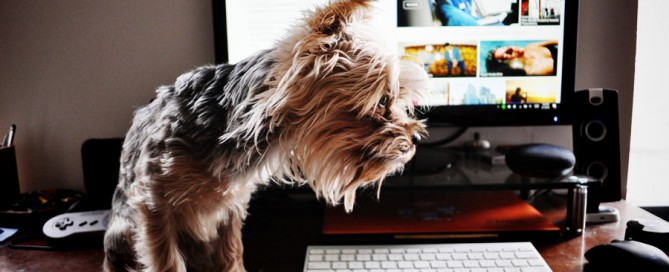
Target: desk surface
275, 239
567, 255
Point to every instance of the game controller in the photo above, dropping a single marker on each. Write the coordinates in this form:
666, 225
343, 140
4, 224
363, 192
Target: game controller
71, 225
652, 232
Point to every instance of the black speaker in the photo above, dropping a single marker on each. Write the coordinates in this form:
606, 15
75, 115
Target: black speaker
100, 159
540, 160
596, 140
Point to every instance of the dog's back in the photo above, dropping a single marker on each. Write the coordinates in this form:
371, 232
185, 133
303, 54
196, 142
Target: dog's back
184, 120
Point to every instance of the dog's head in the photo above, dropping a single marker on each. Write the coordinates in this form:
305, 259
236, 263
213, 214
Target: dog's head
343, 106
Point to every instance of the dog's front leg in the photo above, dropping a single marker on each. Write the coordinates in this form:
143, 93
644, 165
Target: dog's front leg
156, 245
230, 250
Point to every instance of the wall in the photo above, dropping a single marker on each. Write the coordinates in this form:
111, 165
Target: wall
649, 148
75, 69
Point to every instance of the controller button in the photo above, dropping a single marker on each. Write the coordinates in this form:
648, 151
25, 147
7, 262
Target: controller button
93, 222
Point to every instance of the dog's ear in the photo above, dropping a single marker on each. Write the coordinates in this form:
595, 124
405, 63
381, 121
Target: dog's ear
333, 18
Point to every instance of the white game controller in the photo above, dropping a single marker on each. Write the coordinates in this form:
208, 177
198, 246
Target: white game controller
75, 224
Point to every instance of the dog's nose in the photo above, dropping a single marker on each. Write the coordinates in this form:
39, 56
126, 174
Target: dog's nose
415, 138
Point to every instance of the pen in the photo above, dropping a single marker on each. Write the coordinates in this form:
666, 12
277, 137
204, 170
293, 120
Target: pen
10, 136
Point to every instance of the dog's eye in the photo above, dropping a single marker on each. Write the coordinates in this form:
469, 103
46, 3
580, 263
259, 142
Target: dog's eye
383, 107
383, 102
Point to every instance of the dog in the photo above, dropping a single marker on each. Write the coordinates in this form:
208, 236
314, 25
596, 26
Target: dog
327, 106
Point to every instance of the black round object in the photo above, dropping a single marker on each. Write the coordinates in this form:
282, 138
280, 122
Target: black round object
626, 255
540, 160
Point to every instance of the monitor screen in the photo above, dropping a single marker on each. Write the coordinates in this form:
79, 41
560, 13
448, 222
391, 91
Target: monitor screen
491, 62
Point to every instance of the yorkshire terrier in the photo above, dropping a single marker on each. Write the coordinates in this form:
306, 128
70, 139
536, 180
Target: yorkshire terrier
327, 106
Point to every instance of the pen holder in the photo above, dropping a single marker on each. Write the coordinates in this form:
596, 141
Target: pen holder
9, 176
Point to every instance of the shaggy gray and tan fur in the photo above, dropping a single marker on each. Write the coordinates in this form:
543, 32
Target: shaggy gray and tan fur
327, 107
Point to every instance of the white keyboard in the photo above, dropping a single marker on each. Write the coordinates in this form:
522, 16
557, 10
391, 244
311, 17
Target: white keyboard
472, 257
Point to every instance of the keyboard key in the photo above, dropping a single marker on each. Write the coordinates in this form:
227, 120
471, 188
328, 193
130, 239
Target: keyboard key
519, 263
444, 256
470, 264
319, 265
411, 257
395, 257
332, 257
454, 264
388, 265
405, 265
487, 264
507, 255
421, 264
372, 265
428, 257
525, 255
491, 256
459, 256
380, 257
503, 263
536, 262
447, 250
437, 264
315, 258
475, 256
339, 265
363, 257
355, 265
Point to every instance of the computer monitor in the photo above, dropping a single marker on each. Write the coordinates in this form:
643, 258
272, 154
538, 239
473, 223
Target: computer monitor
492, 62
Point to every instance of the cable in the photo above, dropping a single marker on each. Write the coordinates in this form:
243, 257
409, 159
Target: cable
16, 243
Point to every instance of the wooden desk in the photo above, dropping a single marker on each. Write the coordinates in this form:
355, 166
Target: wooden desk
276, 238
567, 255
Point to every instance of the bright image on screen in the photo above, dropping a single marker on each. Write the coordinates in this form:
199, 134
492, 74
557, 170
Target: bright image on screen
486, 52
